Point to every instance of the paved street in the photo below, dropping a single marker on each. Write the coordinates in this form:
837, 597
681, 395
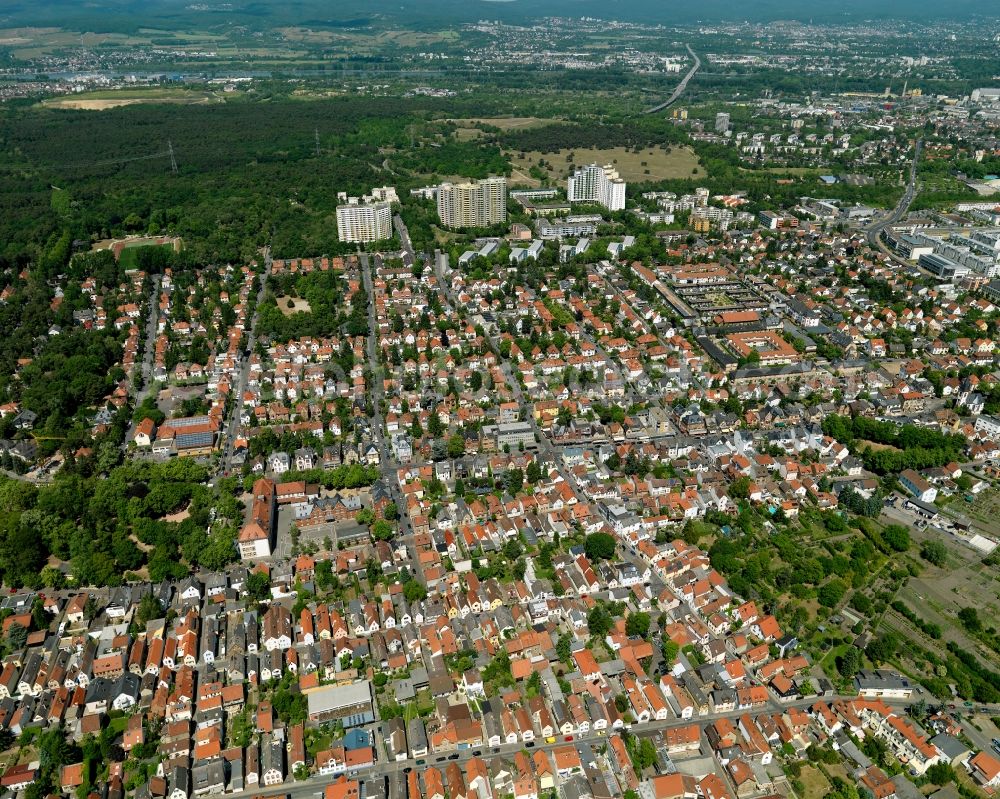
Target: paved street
148, 351
409, 257
387, 463
232, 426
314, 785
874, 231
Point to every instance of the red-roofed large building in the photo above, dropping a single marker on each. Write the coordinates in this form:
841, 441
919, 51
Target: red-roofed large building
255, 536
669, 786
342, 788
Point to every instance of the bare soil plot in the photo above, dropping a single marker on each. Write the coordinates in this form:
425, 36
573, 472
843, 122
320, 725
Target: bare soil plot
179, 516
90, 105
290, 305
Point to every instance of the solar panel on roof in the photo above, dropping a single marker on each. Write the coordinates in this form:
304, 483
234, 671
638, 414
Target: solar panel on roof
194, 439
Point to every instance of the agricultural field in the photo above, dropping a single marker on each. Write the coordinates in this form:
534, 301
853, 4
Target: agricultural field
39, 42
939, 593
648, 164
358, 42
985, 511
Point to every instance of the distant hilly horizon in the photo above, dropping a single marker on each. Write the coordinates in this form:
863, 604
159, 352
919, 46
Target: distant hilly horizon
123, 15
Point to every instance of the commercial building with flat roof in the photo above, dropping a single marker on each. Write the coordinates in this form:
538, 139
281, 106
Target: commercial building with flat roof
882, 683
514, 434
350, 704
941, 267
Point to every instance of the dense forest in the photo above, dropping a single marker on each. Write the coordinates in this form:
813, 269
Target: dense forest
248, 172
454, 158
643, 132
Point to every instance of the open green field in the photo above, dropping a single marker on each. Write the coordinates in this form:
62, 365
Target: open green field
467, 127
649, 164
129, 257
815, 783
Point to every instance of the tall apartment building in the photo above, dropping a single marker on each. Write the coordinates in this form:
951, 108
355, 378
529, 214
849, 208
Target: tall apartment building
481, 203
597, 184
362, 222
721, 122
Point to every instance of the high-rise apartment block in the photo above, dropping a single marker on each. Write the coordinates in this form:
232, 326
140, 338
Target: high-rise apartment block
480, 203
722, 122
597, 184
363, 222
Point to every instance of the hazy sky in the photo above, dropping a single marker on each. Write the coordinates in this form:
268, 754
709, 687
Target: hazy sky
261, 13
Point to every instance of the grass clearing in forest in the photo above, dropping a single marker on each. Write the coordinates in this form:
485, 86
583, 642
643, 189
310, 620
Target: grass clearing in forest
467, 127
648, 164
104, 100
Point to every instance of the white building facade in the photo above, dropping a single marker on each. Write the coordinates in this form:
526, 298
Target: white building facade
361, 223
597, 184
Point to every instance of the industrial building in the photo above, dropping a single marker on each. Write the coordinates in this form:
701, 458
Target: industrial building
349, 704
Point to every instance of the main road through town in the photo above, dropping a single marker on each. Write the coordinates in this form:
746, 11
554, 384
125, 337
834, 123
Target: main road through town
233, 424
387, 461
874, 231
313, 786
